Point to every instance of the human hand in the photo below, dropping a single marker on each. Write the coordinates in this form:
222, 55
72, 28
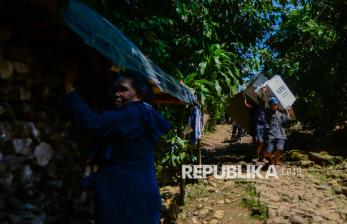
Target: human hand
68, 85
70, 78
263, 89
289, 111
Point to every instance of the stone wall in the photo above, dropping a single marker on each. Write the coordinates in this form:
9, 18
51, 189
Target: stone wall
42, 154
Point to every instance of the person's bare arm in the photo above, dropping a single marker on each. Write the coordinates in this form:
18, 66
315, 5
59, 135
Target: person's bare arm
262, 98
71, 77
263, 93
289, 112
248, 105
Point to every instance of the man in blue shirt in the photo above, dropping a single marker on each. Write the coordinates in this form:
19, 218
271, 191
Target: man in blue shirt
274, 130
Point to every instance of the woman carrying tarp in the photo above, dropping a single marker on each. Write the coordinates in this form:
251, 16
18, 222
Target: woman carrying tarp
125, 183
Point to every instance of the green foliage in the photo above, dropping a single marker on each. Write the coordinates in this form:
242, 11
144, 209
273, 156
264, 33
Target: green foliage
174, 152
205, 43
310, 51
214, 79
251, 200
321, 176
196, 190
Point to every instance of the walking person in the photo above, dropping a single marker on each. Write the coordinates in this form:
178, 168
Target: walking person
125, 182
274, 131
260, 126
237, 131
258, 121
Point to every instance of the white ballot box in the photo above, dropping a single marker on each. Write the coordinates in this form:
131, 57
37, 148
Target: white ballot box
280, 90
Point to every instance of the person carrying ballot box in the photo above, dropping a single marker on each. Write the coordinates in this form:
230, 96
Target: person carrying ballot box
274, 131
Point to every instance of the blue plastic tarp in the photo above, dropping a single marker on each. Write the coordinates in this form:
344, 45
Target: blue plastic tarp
108, 40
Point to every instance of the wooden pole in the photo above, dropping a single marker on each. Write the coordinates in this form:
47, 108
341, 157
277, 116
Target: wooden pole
199, 149
182, 190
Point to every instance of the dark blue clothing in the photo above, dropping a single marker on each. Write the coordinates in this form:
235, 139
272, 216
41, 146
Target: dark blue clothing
253, 120
260, 125
277, 144
126, 186
237, 131
261, 120
274, 125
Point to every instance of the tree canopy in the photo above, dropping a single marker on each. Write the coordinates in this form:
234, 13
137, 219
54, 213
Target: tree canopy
309, 49
213, 44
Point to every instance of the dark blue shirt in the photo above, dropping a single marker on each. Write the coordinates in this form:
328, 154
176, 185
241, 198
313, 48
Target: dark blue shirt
261, 120
126, 188
274, 125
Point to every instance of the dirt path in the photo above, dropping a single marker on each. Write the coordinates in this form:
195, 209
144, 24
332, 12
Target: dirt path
212, 200
216, 202
314, 194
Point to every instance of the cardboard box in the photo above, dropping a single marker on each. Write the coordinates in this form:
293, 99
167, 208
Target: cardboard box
237, 110
253, 86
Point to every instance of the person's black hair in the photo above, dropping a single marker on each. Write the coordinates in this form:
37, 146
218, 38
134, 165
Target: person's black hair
139, 83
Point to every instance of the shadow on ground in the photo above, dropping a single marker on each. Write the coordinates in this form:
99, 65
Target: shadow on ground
334, 143
232, 153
